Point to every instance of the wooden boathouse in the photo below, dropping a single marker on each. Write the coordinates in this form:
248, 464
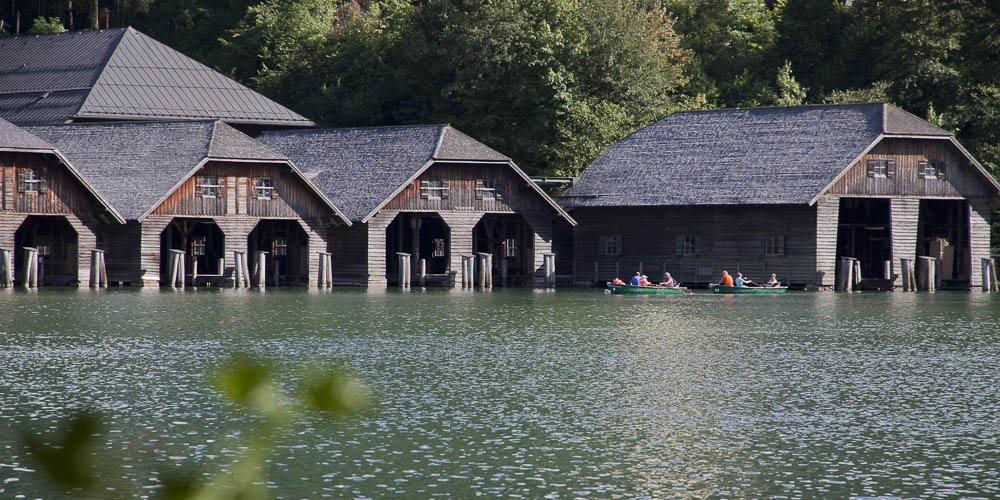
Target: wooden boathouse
428, 198
204, 194
785, 190
123, 74
49, 214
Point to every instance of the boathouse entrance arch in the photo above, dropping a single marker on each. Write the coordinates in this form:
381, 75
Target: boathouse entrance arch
58, 249
864, 233
943, 233
286, 247
508, 237
423, 235
201, 240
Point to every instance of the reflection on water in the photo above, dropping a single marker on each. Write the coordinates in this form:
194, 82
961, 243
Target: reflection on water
523, 393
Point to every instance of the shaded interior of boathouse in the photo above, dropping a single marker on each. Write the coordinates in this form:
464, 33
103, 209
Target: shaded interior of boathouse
423, 236
943, 233
57, 250
508, 237
286, 248
203, 244
864, 233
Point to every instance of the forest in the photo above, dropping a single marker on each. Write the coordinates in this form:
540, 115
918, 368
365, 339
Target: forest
552, 83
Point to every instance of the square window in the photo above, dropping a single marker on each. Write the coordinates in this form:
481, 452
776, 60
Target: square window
198, 245
610, 245
279, 247
31, 181
878, 168
489, 189
439, 248
433, 189
774, 245
931, 169
510, 248
208, 186
265, 188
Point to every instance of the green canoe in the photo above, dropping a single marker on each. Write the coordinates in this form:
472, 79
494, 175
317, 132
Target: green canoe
645, 290
752, 290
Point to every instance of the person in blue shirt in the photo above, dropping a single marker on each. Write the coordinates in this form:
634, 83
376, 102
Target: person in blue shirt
636, 279
738, 282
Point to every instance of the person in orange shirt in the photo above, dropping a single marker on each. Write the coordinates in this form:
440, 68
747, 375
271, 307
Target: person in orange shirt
726, 279
644, 281
618, 281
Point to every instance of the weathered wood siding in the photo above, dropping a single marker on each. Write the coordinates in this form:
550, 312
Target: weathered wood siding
461, 225
904, 216
979, 237
960, 178
349, 246
376, 244
518, 196
827, 218
731, 239
238, 196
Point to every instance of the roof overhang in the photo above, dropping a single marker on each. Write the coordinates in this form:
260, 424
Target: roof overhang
510, 163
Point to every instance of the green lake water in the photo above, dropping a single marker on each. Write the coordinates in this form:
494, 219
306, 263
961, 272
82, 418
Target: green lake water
526, 393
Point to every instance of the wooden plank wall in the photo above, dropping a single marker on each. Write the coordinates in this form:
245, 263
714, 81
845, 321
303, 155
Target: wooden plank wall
349, 246
517, 196
730, 240
149, 249
960, 179
827, 219
317, 231
461, 225
904, 215
979, 237
541, 226
376, 242
238, 196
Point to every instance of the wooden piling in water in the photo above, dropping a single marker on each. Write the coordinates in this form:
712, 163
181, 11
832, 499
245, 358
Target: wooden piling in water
98, 273
550, 270
30, 267
6, 268
926, 279
423, 272
403, 260
261, 270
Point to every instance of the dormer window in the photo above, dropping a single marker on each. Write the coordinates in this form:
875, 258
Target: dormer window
208, 186
881, 168
265, 189
930, 169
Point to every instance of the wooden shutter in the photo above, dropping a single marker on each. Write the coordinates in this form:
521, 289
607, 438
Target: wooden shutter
43, 182
679, 242
781, 245
423, 192
444, 189
602, 246
274, 189
922, 169
890, 168
940, 169
198, 181
480, 185
498, 194
22, 177
870, 166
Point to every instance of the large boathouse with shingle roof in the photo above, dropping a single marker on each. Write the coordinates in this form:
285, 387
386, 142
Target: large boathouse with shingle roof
428, 191
786, 190
45, 204
202, 188
123, 74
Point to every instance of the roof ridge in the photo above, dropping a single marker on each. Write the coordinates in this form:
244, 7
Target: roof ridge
211, 139
104, 68
751, 108
68, 33
330, 129
437, 147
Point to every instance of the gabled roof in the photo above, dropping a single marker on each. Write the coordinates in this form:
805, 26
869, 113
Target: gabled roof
136, 165
362, 169
14, 138
743, 156
121, 74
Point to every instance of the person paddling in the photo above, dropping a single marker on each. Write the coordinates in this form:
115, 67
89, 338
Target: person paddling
636, 279
773, 282
668, 281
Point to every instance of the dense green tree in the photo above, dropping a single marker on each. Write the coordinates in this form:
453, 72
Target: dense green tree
46, 25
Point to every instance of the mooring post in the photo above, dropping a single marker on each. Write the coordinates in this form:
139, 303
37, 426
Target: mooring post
887, 271
403, 262
423, 272
237, 270
6, 275
489, 270
993, 276
842, 275
906, 271
937, 273
176, 267
194, 270
985, 264
483, 271
550, 270
325, 277
104, 271
856, 274
95, 273
261, 269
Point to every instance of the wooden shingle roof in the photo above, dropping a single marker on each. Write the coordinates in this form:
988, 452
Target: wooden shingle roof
361, 169
121, 74
136, 165
14, 138
743, 156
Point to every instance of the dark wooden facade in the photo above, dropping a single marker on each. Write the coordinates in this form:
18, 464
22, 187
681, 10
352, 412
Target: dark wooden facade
38, 187
797, 242
448, 191
235, 208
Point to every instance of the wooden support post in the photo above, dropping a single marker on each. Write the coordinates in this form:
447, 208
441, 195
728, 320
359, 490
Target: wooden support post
173, 265
194, 270
423, 272
325, 277
985, 264
550, 270
482, 270
98, 273
104, 271
182, 268
403, 260
261, 270
30, 267
887, 271
39, 269
906, 272
994, 284
843, 274
329, 270
856, 275
925, 273
504, 264
237, 270
6, 274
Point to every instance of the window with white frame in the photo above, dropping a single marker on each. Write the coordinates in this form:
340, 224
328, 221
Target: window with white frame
489, 189
31, 181
264, 188
440, 249
510, 248
609, 245
881, 168
208, 186
198, 245
279, 247
930, 169
433, 189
